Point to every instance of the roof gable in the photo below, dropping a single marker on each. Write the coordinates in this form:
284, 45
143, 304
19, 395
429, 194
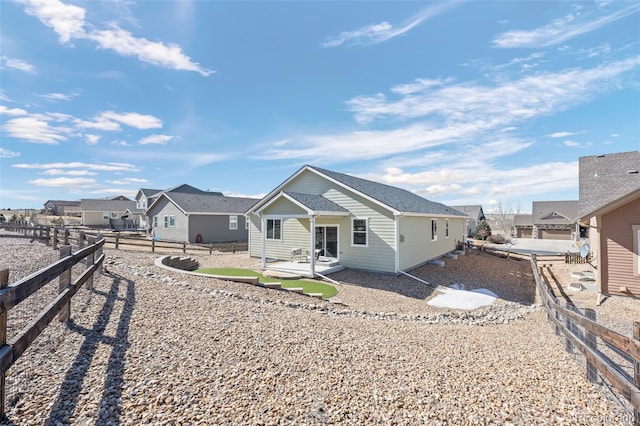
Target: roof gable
474, 212
554, 212
206, 203
607, 179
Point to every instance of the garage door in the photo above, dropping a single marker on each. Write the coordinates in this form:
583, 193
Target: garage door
554, 234
524, 233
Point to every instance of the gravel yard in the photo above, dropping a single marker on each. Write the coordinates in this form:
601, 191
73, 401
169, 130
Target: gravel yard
151, 346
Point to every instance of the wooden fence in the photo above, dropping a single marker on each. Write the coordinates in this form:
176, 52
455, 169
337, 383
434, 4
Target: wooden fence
12, 295
66, 236
582, 332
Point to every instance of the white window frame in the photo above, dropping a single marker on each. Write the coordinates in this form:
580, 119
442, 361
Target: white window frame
273, 227
233, 223
172, 221
366, 232
166, 221
446, 228
105, 215
155, 221
434, 229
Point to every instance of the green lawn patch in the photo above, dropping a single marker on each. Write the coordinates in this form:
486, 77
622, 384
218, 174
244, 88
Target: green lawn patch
307, 286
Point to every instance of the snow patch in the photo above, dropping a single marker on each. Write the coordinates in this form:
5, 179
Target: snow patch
455, 298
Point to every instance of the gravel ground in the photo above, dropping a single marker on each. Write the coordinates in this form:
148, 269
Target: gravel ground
151, 346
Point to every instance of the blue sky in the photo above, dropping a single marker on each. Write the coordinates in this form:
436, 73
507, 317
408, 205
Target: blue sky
472, 102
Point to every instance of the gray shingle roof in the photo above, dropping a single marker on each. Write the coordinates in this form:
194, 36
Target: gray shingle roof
316, 203
398, 199
149, 192
544, 212
522, 220
474, 212
97, 205
210, 202
604, 179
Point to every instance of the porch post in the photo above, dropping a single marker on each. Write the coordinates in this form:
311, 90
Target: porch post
312, 251
263, 226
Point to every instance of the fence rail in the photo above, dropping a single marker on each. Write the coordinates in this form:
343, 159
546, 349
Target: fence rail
11, 295
568, 321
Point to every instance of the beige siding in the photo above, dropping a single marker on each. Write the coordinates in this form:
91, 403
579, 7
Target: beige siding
255, 236
94, 218
617, 257
418, 247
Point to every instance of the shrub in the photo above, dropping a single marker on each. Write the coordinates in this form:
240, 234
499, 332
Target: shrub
496, 239
483, 230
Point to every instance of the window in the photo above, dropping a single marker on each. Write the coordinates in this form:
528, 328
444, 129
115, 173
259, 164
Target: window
114, 215
274, 229
172, 221
434, 229
166, 222
155, 221
446, 228
359, 232
105, 215
233, 222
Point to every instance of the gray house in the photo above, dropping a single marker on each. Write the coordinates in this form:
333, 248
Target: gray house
325, 217
550, 220
475, 215
198, 216
60, 207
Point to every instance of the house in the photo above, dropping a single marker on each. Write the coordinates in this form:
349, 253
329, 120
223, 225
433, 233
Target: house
59, 207
550, 220
198, 216
475, 215
610, 205
109, 213
144, 198
333, 217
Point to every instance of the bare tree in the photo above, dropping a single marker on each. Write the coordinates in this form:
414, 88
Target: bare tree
504, 212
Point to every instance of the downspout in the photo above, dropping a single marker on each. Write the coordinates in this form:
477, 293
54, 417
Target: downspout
414, 277
312, 251
263, 225
188, 222
397, 248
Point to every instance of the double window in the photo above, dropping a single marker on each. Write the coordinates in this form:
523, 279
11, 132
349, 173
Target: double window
359, 232
169, 221
233, 223
274, 229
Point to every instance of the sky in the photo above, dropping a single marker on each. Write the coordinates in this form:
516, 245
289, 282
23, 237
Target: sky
463, 103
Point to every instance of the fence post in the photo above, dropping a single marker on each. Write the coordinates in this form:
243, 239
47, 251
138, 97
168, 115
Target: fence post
153, 246
63, 282
66, 237
592, 343
233, 247
47, 235
117, 241
4, 282
568, 325
184, 247
55, 238
100, 237
636, 372
90, 259
210, 248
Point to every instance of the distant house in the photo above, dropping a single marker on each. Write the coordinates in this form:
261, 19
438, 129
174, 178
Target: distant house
334, 217
610, 204
550, 220
144, 198
60, 207
198, 216
475, 215
109, 213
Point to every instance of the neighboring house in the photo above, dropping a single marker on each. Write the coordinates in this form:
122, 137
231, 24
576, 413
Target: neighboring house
359, 223
199, 217
550, 220
610, 204
475, 215
59, 207
144, 198
109, 213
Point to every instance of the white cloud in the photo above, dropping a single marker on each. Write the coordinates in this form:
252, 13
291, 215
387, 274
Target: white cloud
58, 172
121, 143
127, 181
5, 153
35, 130
614, 135
17, 64
68, 21
11, 111
156, 53
55, 97
383, 31
419, 85
133, 119
564, 134
560, 30
570, 143
91, 139
64, 182
98, 123
155, 139
107, 167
